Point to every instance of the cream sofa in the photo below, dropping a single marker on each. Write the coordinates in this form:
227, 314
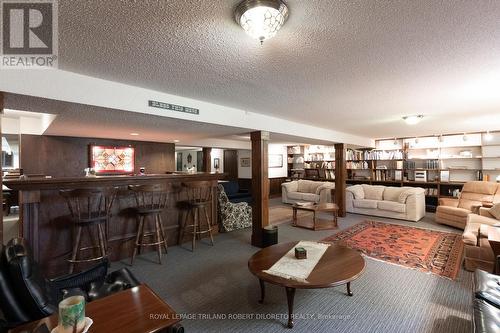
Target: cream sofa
306, 190
478, 253
405, 203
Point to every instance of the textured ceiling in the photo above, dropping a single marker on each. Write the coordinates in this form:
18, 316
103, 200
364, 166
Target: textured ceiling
354, 66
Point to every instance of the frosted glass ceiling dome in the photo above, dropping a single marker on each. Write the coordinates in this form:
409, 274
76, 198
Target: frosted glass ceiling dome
261, 19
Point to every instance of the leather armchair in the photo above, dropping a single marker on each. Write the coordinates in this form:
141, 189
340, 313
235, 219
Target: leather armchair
25, 295
486, 302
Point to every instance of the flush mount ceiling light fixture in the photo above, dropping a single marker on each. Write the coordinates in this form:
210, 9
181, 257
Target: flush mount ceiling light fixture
413, 120
261, 19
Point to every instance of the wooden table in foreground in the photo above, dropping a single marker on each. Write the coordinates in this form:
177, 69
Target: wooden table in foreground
316, 223
339, 265
494, 240
135, 310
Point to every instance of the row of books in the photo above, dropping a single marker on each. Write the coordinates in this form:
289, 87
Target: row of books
359, 155
390, 165
320, 165
329, 174
319, 157
385, 175
357, 165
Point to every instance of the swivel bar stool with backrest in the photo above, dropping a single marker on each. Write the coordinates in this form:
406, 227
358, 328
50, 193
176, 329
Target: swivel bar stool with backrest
199, 198
151, 200
90, 210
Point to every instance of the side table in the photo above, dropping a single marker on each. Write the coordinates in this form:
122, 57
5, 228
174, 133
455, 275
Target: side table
494, 240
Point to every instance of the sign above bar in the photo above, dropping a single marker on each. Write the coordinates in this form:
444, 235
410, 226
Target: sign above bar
173, 107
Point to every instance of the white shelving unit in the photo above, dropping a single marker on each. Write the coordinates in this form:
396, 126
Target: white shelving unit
491, 158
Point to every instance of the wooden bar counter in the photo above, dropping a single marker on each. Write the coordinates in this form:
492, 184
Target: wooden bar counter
45, 217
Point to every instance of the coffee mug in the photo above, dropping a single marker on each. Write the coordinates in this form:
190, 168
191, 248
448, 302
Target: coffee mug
71, 315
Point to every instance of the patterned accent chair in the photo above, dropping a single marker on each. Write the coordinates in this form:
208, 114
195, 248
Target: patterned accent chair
233, 216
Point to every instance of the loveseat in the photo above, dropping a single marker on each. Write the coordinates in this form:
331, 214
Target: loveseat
306, 190
405, 203
477, 250
454, 212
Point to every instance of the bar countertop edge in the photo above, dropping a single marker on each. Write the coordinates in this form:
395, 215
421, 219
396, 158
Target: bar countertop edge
33, 184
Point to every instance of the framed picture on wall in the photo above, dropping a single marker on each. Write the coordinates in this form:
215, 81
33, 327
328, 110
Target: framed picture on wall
245, 162
275, 161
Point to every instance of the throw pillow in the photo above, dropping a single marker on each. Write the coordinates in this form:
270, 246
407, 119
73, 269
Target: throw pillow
373, 192
357, 191
392, 193
495, 211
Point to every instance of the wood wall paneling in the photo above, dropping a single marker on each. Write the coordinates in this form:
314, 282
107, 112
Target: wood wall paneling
60, 156
207, 159
340, 178
231, 164
275, 186
245, 183
260, 185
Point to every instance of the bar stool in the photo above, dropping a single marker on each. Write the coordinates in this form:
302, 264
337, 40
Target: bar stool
199, 197
90, 210
151, 200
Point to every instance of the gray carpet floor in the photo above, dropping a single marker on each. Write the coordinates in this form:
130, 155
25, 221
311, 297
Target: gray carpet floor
213, 289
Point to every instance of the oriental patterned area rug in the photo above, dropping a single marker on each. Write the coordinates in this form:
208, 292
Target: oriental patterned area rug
426, 250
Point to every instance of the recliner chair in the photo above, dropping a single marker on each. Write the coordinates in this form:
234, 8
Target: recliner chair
25, 295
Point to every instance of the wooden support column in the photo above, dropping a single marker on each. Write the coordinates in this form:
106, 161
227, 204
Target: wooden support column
340, 178
207, 159
260, 186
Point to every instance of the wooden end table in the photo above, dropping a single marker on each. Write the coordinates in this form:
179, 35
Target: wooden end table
339, 265
316, 223
133, 310
494, 240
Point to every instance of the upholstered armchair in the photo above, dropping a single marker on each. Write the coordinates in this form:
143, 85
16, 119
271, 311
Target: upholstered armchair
478, 252
454, 212
233, 216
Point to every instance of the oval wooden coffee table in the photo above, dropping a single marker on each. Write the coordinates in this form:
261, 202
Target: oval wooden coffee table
339, 265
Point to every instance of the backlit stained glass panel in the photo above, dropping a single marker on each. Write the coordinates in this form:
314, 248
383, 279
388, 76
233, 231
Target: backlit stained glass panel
112, 159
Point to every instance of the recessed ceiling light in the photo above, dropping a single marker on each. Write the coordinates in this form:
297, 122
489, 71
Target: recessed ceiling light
488, 136
176, 141
261, 19
412, 120
134, 134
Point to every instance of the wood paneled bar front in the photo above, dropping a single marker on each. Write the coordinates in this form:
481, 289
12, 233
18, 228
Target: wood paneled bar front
46, 224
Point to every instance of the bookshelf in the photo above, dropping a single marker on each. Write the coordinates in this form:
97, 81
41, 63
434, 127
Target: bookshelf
440, 165
314, 162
